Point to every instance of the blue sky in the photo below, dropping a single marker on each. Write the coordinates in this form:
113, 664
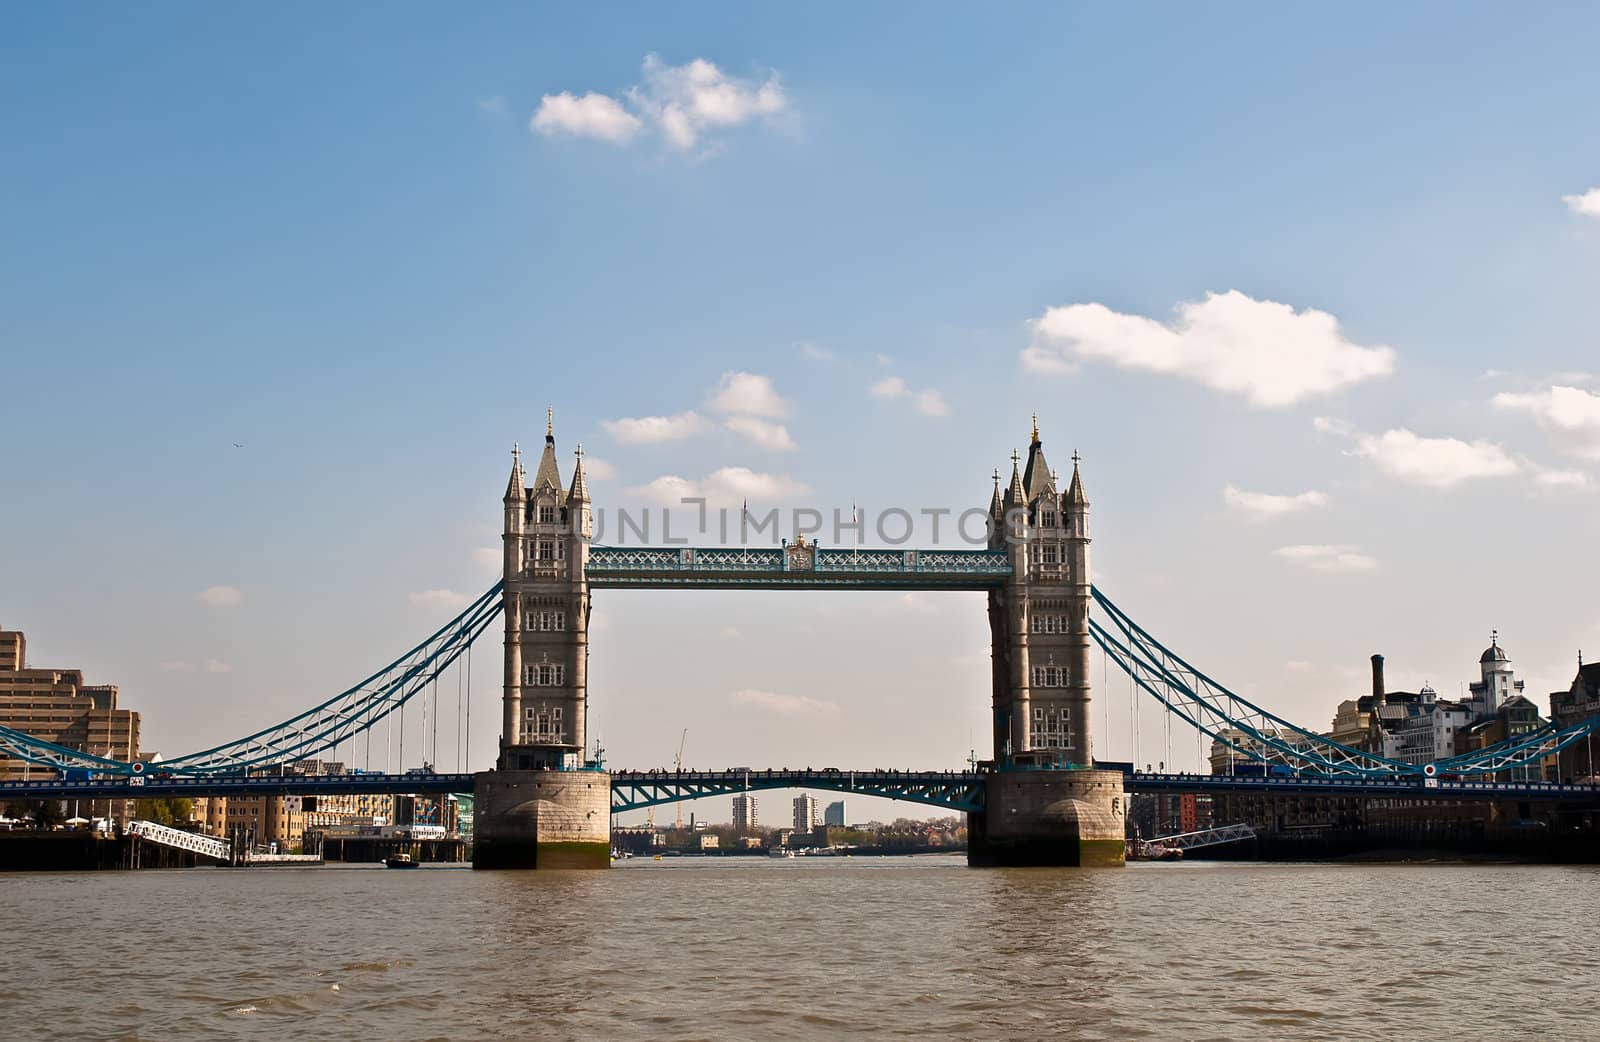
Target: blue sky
344, 240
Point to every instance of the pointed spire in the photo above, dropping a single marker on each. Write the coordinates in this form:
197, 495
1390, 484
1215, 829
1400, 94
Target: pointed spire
1014, 495
514, 487
548, 476
579, 492
1036, 479
1076, 497
995, 507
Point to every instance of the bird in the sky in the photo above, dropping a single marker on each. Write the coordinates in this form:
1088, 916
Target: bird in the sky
238, 444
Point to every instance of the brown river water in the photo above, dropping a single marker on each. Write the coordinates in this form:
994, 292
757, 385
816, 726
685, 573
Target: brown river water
911, 948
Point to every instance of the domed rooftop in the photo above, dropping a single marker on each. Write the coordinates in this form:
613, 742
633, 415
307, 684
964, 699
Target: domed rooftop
1494, 652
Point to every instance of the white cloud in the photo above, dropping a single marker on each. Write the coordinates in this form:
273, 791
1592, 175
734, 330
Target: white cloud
449, 599
177, 666
220, 597
681, 103
217, 666
784, 705
1434, 462
597, 469
686, 101
730, 632
593, 115
1562, 479
749, 394
1570, 415
1324, 558
1587, 204
771, 436
1271, 354
817, 353
888, 387
727, 485
1330, 425
494, 106
1298, 666
1262, 505
928, 402
647, 430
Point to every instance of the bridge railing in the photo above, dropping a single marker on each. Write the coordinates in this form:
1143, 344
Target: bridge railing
609, 561
207, 846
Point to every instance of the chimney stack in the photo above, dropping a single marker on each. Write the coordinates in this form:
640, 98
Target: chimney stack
1379, 697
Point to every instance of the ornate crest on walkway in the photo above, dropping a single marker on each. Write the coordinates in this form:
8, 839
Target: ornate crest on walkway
799, 556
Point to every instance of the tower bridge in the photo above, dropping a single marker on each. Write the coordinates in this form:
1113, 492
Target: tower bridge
1041, 799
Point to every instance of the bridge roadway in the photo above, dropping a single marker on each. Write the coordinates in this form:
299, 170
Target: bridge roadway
635, 790
234, 785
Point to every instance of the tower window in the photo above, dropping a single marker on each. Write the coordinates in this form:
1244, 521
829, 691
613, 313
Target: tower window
1049, 553
1047, 519
547, 515
546, 674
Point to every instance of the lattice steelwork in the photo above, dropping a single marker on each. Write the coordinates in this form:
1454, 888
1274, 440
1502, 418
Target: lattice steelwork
24, 746
1266, 738
317, 729
952, 790
795, 566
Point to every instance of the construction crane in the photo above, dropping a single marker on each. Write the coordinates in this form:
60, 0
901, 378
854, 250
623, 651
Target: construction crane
678, 763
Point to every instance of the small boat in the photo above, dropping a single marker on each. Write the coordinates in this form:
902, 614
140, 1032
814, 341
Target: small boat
400, 860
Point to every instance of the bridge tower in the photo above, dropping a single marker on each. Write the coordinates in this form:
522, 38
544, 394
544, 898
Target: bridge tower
1046, 803
543, 805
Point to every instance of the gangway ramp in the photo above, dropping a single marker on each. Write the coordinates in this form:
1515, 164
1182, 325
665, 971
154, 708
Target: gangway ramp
205, 846
1206, 837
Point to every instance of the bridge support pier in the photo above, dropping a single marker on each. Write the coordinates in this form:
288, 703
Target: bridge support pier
541, 819
1050, 818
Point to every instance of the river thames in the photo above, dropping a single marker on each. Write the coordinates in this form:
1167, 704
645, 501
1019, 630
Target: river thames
910, 948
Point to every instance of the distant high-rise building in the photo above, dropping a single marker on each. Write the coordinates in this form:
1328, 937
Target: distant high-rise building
744, 812
805, 813
833, 816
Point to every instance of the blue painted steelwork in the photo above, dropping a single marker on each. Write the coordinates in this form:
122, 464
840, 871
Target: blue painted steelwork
316, 730
235, 785
1410, 787
1264, 737
953, 790
620, 567
24, 746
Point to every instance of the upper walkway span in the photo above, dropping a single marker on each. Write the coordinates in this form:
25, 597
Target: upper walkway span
794, 566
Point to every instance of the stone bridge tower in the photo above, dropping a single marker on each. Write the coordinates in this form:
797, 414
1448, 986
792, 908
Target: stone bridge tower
544, 806
1045, 803
546, 615
1039, 622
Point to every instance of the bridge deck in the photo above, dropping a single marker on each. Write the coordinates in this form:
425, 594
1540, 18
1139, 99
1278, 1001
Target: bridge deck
618, 567
954, 790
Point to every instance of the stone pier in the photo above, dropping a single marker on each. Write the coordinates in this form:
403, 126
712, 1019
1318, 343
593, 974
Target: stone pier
542, 819
1050, 817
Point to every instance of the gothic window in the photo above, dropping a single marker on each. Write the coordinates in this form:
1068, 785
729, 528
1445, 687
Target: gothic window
547, 515
546, 674
1047, 519
1046, 623
1049, 676
543, 724
546, 621
547, 550
1049, 552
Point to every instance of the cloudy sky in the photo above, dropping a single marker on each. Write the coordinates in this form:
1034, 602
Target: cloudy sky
1314, 295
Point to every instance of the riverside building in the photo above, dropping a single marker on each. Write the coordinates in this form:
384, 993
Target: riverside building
57, 706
